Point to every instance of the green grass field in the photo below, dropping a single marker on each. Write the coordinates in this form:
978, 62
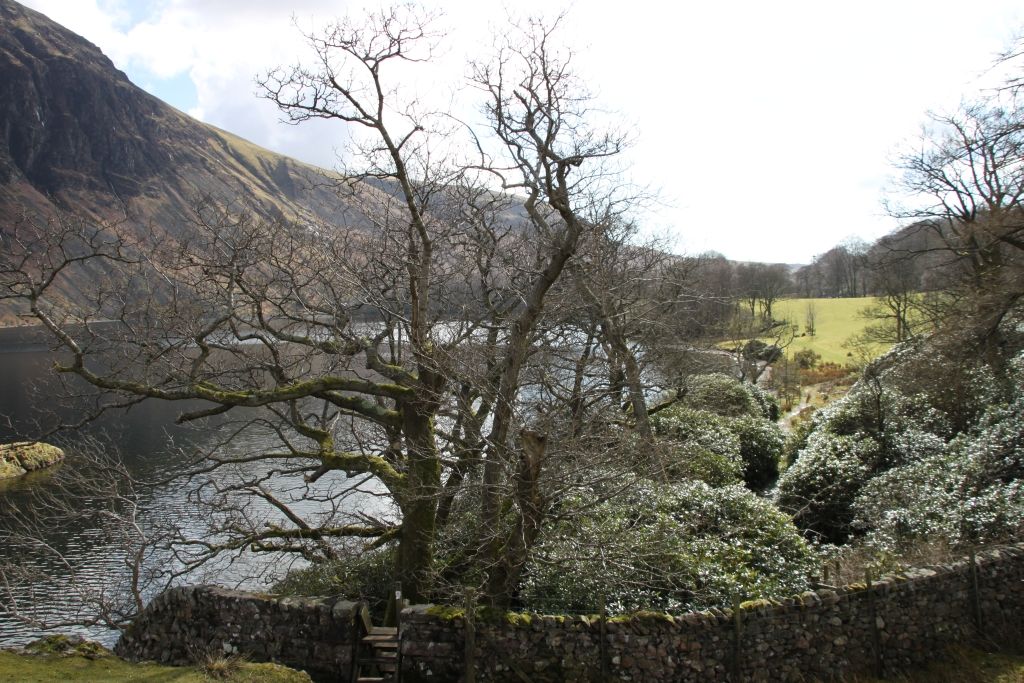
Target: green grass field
836, 321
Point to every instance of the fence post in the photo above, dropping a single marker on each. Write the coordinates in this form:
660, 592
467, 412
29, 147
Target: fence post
398, 607
402, 604
737, 634
392, 606
975, 593
876, 636
357, 637
603, 643
470, 639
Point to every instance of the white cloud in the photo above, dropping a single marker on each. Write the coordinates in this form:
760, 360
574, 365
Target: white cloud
767, 124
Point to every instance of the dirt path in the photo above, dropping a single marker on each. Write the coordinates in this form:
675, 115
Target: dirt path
815, 396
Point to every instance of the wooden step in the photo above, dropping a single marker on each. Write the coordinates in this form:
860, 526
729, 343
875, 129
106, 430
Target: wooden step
381, 654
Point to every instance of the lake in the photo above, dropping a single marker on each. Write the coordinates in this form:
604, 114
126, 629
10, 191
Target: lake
79, 560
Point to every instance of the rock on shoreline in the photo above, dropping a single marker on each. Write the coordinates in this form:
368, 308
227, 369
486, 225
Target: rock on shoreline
23, 457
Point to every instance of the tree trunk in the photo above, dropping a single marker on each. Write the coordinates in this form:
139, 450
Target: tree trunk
419, 495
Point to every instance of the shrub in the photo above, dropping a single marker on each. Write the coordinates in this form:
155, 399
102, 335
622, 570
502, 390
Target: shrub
699, 445
755, 349
806, 359
766, 402
796, 440
927, 445
959, 386
676, 547
701, 427
720, 394
356, 576
761, 445
825, 372
820, 487
686, 460
731, 434
968, 492
862, 435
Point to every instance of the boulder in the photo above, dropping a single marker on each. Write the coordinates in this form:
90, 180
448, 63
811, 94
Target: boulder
22, 457
10, 468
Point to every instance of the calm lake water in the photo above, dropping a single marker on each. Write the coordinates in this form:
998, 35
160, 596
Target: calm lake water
151, 448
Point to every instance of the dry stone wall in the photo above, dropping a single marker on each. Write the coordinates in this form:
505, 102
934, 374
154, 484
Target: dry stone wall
187, 624
900, 621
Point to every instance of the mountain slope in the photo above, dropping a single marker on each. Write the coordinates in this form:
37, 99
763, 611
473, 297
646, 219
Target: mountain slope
76, 134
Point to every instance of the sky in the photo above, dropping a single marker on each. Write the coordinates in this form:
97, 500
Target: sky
767, 129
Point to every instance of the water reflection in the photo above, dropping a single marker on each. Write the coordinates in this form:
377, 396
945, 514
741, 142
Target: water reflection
80, 560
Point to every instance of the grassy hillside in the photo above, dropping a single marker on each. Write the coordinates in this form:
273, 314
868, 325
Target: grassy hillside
836, 321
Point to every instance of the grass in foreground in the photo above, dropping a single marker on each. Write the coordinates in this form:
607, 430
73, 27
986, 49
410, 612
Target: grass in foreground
29, 668
961, 666
99, 666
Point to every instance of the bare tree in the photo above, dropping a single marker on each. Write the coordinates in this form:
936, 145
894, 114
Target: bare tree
811, 318
773, 283
967, 177
624, 288
748, 288
97, 493
394, 358
759, 286
538, 110
965, 182
896, 283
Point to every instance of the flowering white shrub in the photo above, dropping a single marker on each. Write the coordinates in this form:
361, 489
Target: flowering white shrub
929, 445
969, 492
820, 487
691, 460
725, 395
719, 423
699, 445
766, 402
761, 443
674, 547
700, 427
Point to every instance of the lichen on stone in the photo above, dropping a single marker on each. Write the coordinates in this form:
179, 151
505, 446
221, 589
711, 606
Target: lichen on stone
67, 646
518, 618
22, 457
643, 616
759, 603
446, 613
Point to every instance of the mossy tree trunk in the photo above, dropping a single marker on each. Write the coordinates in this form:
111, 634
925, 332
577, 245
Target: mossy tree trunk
420, 492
